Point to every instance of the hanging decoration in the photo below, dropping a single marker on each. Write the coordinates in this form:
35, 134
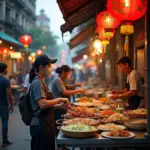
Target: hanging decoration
108, 22
26, 40
104, 37
39, 52
127, 11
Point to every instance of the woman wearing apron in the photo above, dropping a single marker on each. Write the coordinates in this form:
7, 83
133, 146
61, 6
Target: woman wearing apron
42, 127
60, 89
134, 88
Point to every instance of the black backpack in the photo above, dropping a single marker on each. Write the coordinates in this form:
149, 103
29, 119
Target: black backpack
25, 109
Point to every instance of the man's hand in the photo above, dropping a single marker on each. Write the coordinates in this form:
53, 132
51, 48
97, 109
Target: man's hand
11, 109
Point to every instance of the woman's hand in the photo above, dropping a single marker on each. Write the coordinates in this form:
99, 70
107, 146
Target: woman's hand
83, 91
64, 100
79, 85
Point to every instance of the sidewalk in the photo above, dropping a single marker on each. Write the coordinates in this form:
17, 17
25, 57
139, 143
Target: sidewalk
18, 133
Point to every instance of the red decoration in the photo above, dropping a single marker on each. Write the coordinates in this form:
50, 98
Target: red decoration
39, 52
106, 20
127, 10
105, 35
26, 39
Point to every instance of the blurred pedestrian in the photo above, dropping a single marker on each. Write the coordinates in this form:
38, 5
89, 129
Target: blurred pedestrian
6, 102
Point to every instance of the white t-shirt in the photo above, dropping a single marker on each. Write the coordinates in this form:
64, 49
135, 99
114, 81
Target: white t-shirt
135, 82
26, 81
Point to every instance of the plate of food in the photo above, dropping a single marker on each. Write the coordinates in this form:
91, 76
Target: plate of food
87, 104
136, 124
137, 113
86, 121
104, 107
118, 118
118, 134
110, 127
79, 130
107, 113
84, 99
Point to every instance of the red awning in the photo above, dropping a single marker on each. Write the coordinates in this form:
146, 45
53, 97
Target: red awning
77, 58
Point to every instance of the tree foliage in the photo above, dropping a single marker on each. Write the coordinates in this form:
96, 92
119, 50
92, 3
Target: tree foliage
44, 38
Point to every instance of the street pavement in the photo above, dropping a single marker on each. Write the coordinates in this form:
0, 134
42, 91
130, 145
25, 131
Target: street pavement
18, 133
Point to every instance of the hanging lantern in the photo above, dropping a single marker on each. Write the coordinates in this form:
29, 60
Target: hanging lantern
26, 40
127, 11
39, 52
105, 35
107, 21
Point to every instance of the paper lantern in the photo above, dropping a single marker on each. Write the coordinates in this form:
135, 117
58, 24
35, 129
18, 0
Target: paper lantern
26, 40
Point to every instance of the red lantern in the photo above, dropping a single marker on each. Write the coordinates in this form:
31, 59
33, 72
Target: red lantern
39, 52
105, 35
127, 10
106, 20
26, 40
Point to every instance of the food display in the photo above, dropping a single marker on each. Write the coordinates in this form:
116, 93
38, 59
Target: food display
137, 113
117, 116
136, 124
119, 133
79, 128
104, 99
144, 121
107, 113
85, 99
88, 104
104, 107
86, 121
110, 127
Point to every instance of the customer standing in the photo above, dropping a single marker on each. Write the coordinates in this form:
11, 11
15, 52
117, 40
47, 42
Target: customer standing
42, 127
5, 101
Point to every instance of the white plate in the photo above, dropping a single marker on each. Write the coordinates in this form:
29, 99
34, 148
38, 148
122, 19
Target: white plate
122, 127
105, 134
88, 104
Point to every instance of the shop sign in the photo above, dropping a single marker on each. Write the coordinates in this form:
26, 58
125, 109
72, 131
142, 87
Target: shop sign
16, 55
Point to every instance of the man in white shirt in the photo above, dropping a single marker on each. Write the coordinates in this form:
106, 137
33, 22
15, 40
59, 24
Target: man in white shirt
26, 83
134, 88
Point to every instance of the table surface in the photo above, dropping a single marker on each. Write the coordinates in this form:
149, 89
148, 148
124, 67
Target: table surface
99, 141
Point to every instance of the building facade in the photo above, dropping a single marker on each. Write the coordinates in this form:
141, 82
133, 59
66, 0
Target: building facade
42, 21
17, 16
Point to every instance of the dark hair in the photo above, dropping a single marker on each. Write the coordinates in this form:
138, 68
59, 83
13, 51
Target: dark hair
63, 68
3, 67
124, 60
40, 60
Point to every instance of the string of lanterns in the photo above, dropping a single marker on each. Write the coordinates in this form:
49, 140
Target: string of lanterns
120, 11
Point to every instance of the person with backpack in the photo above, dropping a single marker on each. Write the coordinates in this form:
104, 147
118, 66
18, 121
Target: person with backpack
134, 86
6, 102
42, 126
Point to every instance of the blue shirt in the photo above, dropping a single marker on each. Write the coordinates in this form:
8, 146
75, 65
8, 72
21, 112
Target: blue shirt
4, 84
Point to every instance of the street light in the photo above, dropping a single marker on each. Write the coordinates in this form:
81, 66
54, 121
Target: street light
100, 60
85, 57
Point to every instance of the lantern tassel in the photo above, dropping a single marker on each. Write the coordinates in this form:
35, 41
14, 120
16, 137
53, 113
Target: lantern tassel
126, 45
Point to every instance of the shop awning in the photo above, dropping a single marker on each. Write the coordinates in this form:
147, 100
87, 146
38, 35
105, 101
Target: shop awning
76, 12
77, 58
82, 36
8, 38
